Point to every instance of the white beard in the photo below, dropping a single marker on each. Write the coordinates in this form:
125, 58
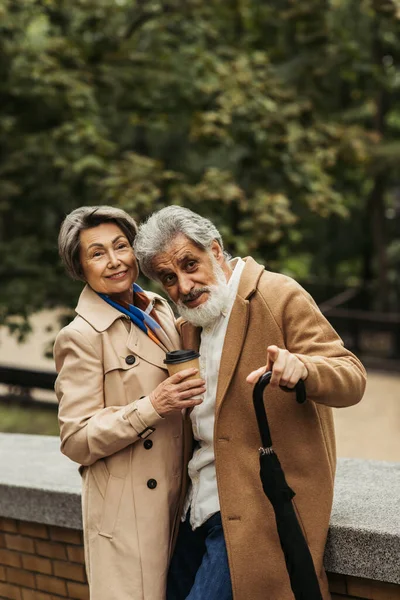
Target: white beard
214, 306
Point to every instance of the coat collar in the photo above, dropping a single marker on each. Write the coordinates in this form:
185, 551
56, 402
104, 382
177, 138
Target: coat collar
95, 311
250, 277
236, 331
101, 316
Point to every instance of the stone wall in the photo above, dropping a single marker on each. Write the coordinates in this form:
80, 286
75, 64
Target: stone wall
41, 552
357, 588
45, 562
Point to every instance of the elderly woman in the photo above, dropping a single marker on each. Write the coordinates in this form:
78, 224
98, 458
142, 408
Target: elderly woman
120, 414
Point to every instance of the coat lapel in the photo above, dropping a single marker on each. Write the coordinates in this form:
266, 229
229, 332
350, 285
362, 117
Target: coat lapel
170, 338
101, 316
143, 346
190, 336
236, 331
140, 344
237, 328
233, 343
234, 339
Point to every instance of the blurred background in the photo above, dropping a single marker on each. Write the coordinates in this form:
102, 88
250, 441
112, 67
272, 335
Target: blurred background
278, 120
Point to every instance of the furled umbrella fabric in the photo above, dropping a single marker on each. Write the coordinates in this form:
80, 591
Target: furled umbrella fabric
300, 567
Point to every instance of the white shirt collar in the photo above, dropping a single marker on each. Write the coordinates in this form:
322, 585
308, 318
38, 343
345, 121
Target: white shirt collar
237, 264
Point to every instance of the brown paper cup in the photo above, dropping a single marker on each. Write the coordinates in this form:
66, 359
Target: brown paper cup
178, 360
172, 369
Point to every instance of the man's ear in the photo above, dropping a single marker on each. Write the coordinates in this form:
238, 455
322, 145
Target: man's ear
217, 251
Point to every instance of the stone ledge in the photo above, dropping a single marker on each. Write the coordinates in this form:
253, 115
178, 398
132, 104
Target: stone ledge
364, 535
39, 484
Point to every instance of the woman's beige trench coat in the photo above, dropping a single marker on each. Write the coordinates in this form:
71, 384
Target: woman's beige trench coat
131, 486
273, 309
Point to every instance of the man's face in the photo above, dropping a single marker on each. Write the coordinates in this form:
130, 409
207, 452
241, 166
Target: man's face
187, 272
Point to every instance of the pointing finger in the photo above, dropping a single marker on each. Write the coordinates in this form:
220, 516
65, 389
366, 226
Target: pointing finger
278, 369
273, 352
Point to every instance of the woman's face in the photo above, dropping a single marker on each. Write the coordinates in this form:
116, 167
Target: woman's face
108, 262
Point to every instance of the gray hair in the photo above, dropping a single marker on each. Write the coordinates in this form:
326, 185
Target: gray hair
163, 226
84, 218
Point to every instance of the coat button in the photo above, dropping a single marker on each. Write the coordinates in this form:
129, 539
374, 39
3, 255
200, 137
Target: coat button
130, 359
148, 444
152, 484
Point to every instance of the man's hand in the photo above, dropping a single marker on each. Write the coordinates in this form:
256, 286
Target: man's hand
286, 368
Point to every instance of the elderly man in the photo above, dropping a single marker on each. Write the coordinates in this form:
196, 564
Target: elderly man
241, 317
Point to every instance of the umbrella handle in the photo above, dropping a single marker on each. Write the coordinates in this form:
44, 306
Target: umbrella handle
259, 407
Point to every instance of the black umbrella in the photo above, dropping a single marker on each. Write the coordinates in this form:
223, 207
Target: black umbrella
299, 563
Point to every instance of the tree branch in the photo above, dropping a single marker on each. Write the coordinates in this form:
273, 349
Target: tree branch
148, 16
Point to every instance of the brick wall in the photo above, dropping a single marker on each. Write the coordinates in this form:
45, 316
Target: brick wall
355, 588
40, 562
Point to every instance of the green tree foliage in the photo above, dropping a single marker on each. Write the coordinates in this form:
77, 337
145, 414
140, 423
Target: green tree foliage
278, 120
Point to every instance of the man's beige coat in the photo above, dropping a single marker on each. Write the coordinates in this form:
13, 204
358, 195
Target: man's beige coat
274, 309
130, 490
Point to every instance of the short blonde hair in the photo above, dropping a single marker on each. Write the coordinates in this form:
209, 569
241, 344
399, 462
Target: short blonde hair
84, 218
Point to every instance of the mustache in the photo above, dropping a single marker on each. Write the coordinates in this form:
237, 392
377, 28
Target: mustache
193, 294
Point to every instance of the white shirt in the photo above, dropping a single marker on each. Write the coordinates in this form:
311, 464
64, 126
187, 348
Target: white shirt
202, 498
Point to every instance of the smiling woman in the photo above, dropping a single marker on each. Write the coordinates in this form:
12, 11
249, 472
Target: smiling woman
114, 393
108, 262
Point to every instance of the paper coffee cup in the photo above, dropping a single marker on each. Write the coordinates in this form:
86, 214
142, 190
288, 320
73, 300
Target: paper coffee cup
178, 360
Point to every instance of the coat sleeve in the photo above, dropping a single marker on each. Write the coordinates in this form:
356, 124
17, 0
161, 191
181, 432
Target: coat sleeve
89, 430
335, 375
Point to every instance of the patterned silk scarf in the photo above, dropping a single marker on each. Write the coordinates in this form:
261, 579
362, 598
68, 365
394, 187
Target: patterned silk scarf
141, 313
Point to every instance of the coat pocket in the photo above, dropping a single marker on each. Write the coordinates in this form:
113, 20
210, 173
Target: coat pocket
112, 500
100, 475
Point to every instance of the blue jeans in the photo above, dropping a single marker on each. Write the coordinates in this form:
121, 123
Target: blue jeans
199, 567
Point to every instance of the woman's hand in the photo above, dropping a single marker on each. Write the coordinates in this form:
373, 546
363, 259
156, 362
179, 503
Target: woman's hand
176, 392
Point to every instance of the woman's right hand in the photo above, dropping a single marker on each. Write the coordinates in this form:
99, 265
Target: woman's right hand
176, 392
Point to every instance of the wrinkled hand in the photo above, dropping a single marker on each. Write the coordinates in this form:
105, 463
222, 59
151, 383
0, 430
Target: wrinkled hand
286, 368
176, 392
